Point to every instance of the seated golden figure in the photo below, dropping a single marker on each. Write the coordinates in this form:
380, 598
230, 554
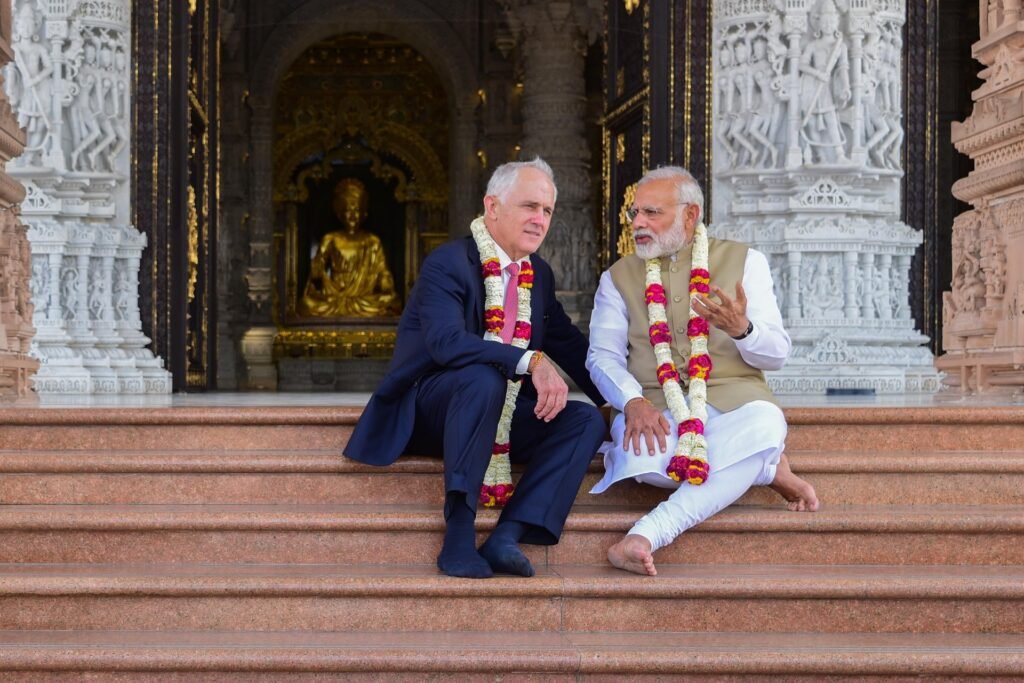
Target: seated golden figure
349, 275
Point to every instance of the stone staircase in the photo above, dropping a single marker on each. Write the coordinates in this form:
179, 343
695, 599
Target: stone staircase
207, 544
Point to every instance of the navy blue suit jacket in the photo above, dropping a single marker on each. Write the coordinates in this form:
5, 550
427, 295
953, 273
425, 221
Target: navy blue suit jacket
442, 328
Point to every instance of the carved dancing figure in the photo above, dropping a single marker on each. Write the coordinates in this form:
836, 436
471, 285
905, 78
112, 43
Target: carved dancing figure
69, 293
764, 119
893, 78
97, 292
876, 126
106, 112
122, 293
120, 94
31, 86
85, 129
824, 68
743, 82
725, 91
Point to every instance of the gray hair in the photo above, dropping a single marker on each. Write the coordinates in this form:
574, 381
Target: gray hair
505, 176
689, 188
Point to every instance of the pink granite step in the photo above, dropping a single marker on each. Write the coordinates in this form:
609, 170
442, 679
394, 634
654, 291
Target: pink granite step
383, 534
325, 477
823, 598
479, 655
215, 428
319, 427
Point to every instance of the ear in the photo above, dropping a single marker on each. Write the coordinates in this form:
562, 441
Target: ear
691, 216
491, 204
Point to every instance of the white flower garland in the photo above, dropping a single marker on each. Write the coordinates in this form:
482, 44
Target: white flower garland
497, 485
690, 460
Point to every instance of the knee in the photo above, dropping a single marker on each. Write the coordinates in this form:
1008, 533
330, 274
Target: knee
589, 418
775, 427
480, 384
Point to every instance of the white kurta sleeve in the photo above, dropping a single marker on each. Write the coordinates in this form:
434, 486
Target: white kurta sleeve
768, 346
609, 346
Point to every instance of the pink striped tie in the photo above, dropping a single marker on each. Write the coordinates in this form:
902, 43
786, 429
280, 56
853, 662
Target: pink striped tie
511, 302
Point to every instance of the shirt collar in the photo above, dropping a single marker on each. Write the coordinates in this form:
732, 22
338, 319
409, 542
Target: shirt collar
503, 259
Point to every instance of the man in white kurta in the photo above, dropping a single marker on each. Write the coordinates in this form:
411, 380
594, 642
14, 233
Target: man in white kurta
745, 430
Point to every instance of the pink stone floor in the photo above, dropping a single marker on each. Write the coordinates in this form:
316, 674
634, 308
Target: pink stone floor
353, 399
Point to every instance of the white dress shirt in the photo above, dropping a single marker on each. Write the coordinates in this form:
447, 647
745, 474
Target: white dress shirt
765, 348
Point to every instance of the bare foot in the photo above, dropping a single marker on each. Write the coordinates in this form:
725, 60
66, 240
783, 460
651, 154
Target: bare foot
798, 492
633, 553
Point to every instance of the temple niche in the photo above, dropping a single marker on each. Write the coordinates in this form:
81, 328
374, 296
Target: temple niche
360, 197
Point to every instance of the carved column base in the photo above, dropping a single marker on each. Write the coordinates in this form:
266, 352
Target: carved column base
258, 351
16, 371
996, 374
889, 361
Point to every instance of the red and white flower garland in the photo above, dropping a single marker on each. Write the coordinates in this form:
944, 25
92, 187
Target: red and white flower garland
497, 487
690, 462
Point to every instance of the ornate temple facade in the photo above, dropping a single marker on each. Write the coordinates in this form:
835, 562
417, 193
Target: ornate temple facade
16, 300
983, 334
70, 85
237, 195
808, 140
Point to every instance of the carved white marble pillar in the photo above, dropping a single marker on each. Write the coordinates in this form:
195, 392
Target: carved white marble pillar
70, 86
807, 133
983, 314
554, 37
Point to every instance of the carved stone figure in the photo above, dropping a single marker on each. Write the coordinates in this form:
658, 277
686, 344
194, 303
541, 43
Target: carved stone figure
69, 294
824, 87
349, 274
85, 129
31, 87
766, 107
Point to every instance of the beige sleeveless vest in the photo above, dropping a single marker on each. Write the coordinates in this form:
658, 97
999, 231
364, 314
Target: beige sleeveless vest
732, 382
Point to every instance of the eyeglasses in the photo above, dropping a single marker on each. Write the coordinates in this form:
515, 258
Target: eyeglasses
649, 212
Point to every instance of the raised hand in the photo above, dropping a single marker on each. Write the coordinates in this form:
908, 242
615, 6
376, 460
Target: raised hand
730, 315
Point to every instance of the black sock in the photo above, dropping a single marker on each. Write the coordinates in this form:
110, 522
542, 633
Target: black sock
458, 554
459, 519
502, 550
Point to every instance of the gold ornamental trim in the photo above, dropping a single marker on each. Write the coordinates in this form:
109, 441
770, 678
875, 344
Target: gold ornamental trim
334, 344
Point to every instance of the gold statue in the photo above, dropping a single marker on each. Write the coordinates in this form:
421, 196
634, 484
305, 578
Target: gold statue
349, 275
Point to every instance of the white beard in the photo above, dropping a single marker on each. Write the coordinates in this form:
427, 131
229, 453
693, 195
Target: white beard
665, 244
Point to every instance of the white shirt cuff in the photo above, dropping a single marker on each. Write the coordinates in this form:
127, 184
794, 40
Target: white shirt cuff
524, 363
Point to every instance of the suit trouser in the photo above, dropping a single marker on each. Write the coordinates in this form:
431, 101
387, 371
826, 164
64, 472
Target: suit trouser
457, 415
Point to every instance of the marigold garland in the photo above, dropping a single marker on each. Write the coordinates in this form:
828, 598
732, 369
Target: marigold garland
690, 462
497, 487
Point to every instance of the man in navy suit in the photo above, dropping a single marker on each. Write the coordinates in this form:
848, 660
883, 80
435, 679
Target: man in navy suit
446, 385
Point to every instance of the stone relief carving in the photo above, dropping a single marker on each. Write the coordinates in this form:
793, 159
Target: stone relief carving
983, 334
840, 101
71, 90
807, 139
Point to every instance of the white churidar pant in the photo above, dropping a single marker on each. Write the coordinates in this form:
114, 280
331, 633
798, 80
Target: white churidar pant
744, 448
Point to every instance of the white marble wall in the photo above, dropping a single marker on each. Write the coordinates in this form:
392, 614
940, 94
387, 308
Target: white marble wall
807, 165
70, 85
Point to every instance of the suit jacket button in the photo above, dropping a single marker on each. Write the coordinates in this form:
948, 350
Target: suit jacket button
677, 299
